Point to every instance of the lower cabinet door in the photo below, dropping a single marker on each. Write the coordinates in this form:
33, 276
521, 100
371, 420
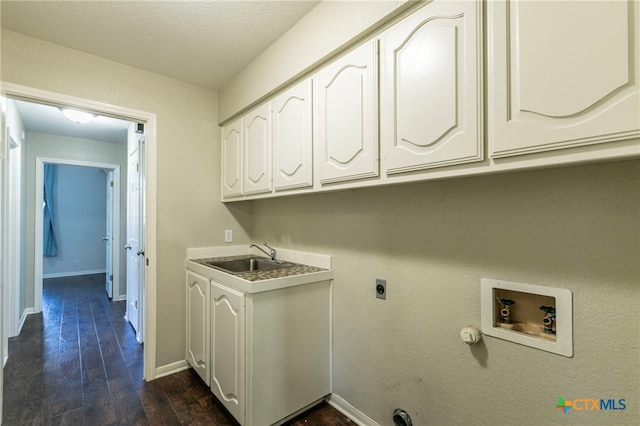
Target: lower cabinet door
228, 349
198, 324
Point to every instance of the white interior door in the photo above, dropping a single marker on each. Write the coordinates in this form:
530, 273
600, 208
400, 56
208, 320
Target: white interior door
135, 239
108, 238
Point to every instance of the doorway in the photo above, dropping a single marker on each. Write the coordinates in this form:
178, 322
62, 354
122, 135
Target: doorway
88, 230
149, 120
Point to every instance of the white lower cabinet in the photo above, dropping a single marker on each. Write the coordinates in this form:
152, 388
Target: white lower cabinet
288, 335
265, 355
198, 332
227, 348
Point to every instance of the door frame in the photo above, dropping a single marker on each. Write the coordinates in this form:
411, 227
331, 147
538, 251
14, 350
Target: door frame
149, 119
113, 222
13, 213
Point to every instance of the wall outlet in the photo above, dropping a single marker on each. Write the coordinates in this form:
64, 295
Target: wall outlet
381, 289
228, 235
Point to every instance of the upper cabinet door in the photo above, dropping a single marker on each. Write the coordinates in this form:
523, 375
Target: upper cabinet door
232, 159
431, 88
256, 135
347, 110
562, 74
293, 138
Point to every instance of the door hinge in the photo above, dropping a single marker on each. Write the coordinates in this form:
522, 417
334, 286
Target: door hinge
111, 183
111, 277
135, 304
137, 167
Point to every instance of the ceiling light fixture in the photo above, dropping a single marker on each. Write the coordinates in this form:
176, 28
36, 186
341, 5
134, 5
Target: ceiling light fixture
76, 116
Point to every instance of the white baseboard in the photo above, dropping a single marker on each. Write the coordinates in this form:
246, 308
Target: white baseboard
73, 273
174, 367
350, 411
23, 318
119, 298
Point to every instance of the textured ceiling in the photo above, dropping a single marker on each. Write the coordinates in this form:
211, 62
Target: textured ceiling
201, 42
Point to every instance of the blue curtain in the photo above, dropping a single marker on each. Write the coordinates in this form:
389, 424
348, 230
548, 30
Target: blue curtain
49, 246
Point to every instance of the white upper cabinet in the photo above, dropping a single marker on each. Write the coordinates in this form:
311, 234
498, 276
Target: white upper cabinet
347, 111
232, 159
562, 74
293, 138
431, 88
256, 127
563, 87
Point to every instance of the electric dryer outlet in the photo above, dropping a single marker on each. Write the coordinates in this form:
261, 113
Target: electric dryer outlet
381, 288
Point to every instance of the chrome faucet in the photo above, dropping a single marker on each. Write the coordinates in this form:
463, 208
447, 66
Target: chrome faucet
272, 251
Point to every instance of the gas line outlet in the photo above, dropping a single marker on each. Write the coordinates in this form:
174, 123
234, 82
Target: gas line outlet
381, 288
471, 335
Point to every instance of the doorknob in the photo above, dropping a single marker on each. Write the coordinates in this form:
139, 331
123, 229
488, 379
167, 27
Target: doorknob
105, 238
140, 252
127, 247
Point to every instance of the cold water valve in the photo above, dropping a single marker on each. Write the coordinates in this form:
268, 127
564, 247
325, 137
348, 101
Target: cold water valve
549, 318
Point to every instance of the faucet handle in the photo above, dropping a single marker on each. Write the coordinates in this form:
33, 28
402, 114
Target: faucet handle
272, 250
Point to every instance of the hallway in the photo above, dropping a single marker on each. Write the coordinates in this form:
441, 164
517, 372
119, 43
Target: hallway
78, 363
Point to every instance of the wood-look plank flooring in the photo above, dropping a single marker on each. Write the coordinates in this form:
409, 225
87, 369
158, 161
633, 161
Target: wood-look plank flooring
78, 363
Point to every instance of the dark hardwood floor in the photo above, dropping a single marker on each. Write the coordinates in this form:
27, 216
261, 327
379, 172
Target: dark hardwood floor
78, 363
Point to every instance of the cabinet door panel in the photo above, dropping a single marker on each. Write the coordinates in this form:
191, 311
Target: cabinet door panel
431, 91
292, 138
227, 348
198, 325
575, 83
347, 116
232, 160
257, 150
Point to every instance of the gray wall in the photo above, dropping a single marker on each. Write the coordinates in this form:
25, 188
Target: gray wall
574, 227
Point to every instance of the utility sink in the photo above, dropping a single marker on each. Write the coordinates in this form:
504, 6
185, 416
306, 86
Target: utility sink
248, 265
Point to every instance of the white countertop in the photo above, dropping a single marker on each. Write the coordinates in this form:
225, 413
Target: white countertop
304, 258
